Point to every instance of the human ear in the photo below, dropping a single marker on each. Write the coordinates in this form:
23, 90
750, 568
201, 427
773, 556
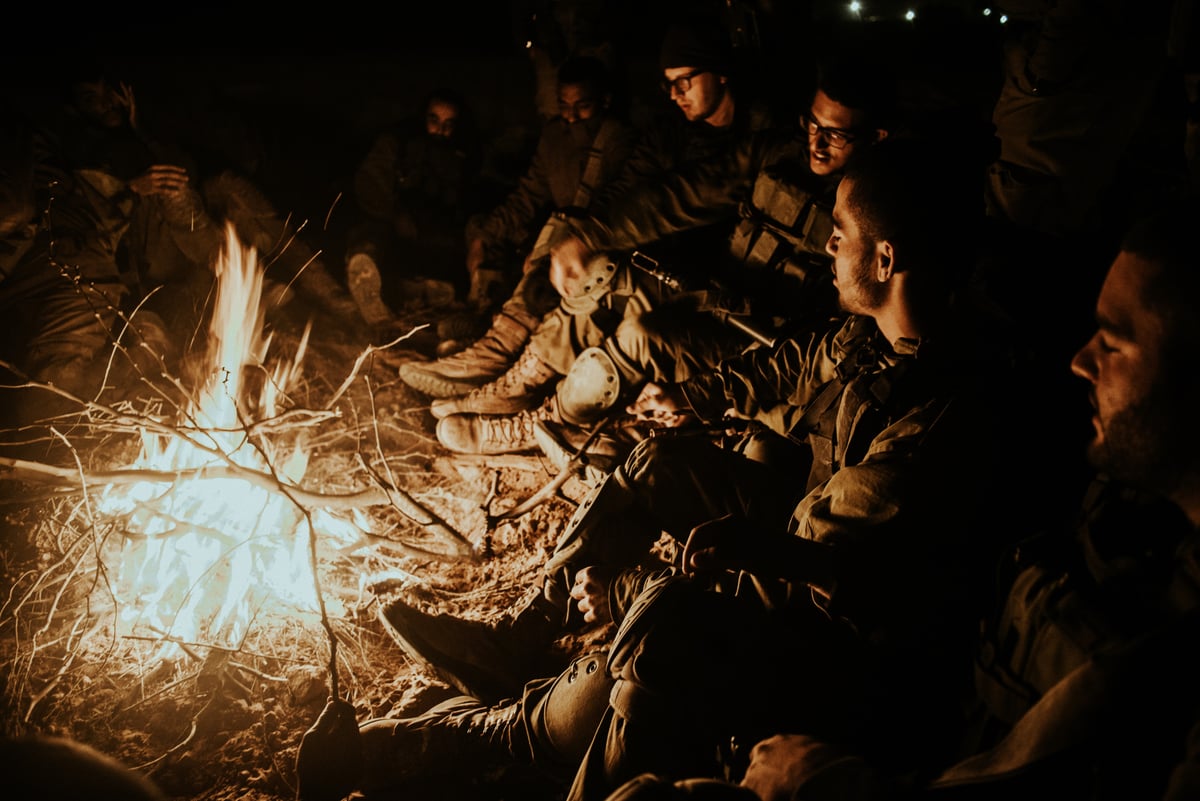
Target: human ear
885, 260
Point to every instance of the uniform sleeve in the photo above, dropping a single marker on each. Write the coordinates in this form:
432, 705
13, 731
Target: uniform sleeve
762, 379
904, 523
699, 194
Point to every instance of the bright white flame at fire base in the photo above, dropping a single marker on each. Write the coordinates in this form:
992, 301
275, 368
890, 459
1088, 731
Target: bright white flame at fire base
204, 556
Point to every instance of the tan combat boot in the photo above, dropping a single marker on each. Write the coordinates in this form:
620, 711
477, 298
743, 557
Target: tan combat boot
488, 358
362, 276
523, 386
483, 434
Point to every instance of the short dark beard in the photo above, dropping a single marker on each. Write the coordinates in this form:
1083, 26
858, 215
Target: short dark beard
1143, 445
869, 293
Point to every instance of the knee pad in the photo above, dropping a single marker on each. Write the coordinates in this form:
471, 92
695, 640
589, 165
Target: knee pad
568, 714
591, 387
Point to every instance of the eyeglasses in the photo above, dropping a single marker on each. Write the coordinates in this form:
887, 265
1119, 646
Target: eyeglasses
836, 138
680, 84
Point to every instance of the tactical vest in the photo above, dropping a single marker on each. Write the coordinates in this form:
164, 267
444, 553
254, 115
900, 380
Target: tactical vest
843, 419
783, 228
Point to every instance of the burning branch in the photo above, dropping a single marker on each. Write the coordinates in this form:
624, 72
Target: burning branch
381, 493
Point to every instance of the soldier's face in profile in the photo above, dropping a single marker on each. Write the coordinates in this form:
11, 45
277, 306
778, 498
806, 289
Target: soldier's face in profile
1141, 420
854, 258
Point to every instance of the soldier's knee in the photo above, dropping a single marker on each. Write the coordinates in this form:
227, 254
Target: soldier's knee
568, 714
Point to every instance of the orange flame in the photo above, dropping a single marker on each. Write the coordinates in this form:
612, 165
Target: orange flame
204, 556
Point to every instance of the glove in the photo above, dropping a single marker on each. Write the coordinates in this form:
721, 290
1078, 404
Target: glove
330, 761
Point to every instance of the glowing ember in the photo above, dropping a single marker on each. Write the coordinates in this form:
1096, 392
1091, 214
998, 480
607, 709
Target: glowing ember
203, 554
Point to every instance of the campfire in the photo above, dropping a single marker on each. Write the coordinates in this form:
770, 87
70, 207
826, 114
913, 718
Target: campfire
209, 551
202, 570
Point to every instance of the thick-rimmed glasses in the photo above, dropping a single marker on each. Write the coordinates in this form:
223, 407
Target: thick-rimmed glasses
680, 84
837, 138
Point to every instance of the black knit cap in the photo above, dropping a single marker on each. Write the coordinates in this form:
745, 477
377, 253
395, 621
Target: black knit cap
702, 44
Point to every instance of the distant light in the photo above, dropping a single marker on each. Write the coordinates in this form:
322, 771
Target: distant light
1003, 18
910, 15
987, 12
855, 6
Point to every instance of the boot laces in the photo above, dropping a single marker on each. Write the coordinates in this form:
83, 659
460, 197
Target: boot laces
516, 429
517, 380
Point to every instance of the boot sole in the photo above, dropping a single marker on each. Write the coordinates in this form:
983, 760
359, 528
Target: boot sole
492, 406
437, 386
365, 288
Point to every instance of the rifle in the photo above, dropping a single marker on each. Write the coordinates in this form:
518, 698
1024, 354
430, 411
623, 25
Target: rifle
651, 267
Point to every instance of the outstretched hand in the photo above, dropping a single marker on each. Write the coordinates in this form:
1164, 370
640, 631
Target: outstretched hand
329, 763
661, 405
795, 765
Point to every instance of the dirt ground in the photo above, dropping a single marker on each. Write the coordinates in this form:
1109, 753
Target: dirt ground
220, 721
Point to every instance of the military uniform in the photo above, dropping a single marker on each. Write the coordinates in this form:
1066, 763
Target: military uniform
553, 181
1086, 676
670, 143
414, 194
904, 496
69, 268
609, 298
898, 499
775, 269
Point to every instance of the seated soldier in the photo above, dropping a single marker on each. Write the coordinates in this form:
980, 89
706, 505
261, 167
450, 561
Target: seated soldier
577, 153
414, 190
775, 272
710, 116
854, 612
1085, 676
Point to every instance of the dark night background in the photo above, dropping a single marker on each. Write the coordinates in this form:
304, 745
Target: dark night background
295, 95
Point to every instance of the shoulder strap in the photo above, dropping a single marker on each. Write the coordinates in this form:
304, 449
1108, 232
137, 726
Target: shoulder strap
591, 171
847, 368
583, 193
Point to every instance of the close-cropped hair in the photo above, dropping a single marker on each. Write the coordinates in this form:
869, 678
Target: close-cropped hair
921, 198
861, 84
1165, 236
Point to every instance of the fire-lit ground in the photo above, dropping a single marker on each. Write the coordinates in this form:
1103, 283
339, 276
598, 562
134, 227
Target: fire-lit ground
159, 601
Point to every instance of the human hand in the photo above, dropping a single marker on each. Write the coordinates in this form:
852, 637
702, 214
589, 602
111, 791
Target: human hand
330, 759
782, 765
569, 257
661, 405
475, 256
590, 592
720, 544
123, 98
160, 179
